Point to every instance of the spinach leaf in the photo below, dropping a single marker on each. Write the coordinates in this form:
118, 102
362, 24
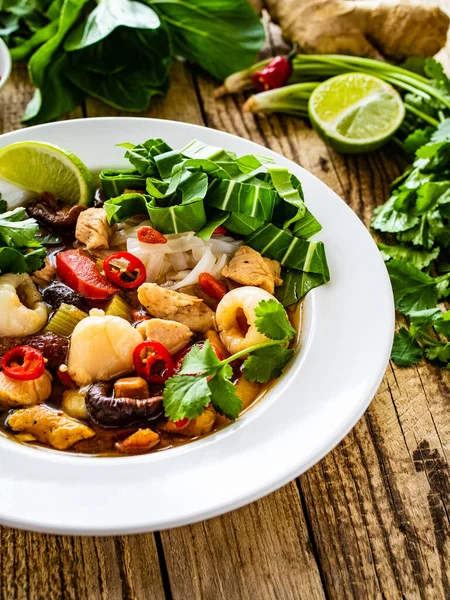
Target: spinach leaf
296, 284
222, 36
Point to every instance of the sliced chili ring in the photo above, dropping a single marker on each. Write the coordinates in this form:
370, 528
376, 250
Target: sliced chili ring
125, 270
23, 363
153, 362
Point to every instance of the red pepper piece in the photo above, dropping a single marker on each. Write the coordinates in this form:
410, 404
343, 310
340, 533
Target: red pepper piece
23, 363
212, 286
128, 277
79, 272
150, 236
66, 379
220, 230
181, 423
274, 75
153, 362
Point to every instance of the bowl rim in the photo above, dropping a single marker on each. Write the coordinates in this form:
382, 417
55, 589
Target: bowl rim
4, 52
251, 480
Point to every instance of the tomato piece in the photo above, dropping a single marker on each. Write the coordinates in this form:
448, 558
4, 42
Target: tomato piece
212, 286
125, 270
23, 363
153, 362
148, 235
80, 272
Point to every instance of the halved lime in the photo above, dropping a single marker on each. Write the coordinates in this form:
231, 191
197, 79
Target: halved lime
40, 167
355, 112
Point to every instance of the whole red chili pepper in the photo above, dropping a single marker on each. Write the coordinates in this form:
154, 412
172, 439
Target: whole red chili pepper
149, 235
23, 363
153, 362
274, 75
130, 276
212, 286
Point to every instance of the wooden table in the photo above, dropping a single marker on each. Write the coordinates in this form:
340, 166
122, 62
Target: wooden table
371, 520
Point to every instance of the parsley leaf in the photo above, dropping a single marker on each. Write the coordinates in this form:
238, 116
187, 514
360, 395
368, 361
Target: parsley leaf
406, 351
272, 320
417, 258
266, 363
186, 396
200, 360
224, 397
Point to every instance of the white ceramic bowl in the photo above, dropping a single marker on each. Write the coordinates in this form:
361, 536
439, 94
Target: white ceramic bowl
5, 63
345, 347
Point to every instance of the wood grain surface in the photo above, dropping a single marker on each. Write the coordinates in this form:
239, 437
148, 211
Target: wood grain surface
371, 520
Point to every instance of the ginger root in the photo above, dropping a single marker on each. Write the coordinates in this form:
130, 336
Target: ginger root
392, 29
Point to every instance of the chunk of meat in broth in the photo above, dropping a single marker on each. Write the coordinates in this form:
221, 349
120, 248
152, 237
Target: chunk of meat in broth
176, 306
175, 336
248, 267
15, 393
93, 229
49, 426
43, 276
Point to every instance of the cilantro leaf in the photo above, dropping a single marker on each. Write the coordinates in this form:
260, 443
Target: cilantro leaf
439, 352
266, 363
13, 261
417, 258
185, 396
15, 232
272, 320
200, 360
224, 397
413, 289
406, 351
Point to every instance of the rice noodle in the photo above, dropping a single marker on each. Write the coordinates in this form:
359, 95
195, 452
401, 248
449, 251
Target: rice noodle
179, 261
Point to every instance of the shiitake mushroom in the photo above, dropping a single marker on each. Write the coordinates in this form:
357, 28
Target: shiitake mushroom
108, 411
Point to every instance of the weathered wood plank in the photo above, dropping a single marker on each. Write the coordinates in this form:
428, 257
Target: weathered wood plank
260, 551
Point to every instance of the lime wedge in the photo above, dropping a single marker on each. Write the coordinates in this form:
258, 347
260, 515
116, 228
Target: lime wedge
355, 112
40, 167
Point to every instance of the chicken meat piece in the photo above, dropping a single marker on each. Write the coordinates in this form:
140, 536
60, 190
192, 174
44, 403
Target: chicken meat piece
49, 426
93, 229
176, 306
142, 440
15, 393
44, 275
248, 267
175, 336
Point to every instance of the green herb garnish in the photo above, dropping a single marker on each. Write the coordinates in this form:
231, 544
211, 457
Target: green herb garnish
205, 379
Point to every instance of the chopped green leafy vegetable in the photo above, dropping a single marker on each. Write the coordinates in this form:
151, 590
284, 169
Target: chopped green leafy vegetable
72, 47
21, 249
201, 187
202, 369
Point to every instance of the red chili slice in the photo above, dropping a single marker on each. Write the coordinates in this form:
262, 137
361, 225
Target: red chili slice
128, 277
80, 272
181, 423
149, 235
23, 363
212, 286
220, 230
153, 362
274, 75
66, 379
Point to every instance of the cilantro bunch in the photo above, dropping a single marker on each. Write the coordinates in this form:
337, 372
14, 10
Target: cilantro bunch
415, 225
205, 379
21, 248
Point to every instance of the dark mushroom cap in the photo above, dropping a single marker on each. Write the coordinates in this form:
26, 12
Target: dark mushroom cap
52, 213
107, 411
